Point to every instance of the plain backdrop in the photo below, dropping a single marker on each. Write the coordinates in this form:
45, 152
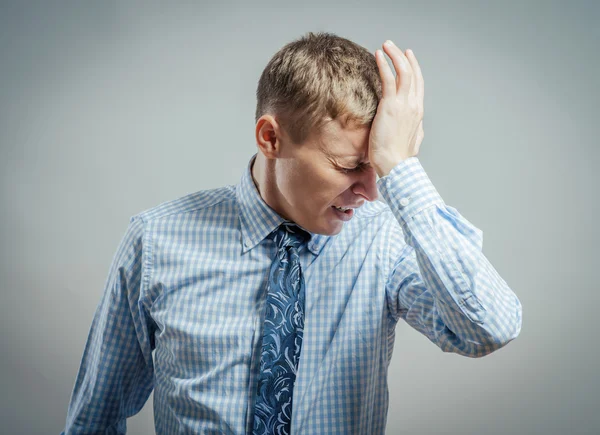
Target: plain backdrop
110, 108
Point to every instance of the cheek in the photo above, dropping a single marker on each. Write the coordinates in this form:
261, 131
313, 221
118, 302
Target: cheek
312, 188
296, 186
327, 190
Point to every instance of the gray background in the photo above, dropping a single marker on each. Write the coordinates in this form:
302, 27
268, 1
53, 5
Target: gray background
108, 109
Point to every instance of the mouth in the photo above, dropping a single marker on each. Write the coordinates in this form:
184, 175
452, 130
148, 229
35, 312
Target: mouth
342, 209
343, 213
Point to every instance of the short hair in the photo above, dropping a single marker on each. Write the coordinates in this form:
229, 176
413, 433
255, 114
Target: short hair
318, 78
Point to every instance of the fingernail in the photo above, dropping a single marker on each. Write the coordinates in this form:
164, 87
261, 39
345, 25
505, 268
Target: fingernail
389, 43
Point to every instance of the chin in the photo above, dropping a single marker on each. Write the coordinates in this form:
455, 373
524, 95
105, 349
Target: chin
325, 226
331, 228
336, 231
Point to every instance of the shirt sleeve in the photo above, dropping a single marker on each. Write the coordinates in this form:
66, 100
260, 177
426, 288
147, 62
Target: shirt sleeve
440, 282
115, 377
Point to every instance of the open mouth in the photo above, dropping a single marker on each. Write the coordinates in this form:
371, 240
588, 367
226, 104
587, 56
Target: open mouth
342, 209
343, 213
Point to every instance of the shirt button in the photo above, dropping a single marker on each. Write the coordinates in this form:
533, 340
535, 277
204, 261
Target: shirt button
404, 201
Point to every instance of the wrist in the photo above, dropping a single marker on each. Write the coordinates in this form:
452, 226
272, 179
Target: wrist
386, 167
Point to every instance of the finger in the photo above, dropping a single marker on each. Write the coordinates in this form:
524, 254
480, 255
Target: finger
413, 92
417, 74
420, 135
388, 85
403, 68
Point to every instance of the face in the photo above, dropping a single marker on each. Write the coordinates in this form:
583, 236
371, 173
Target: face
326, 171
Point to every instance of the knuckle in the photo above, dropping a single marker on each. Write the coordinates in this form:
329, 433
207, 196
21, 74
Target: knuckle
414, 107
390, 110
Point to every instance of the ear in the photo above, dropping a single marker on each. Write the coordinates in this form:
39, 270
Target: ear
268, 136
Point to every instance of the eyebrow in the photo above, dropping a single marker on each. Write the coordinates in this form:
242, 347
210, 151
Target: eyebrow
351, 159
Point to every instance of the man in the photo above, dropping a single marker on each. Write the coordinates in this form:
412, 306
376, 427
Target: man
271, 306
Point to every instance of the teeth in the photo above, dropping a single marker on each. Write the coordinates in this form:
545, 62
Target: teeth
342, 208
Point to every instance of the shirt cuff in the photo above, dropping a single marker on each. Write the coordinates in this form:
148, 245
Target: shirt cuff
408, 190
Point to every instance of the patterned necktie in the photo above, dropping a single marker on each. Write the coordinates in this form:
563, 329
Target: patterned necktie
282, 338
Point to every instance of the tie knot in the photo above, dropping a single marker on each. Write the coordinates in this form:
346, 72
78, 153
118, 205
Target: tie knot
289, 234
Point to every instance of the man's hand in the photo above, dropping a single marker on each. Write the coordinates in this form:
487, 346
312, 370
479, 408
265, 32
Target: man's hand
397, 130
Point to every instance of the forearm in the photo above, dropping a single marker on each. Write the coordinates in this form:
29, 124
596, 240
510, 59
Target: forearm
445, 287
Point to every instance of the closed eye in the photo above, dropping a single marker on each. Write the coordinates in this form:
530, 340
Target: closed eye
358, 168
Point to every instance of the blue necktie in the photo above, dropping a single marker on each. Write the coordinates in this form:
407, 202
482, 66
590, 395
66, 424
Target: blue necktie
282, 338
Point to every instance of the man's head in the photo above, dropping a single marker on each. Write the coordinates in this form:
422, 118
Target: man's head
317, 98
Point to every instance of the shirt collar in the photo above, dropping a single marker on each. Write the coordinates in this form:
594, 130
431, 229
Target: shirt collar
258, 219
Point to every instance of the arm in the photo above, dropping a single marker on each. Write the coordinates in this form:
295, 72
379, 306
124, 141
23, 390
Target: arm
440, 282
115, 377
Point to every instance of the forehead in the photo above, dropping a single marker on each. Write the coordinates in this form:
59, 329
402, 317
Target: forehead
347, 145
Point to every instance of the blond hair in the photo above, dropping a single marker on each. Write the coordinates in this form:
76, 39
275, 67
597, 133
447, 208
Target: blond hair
317, 78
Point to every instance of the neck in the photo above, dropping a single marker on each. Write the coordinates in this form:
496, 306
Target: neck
257, 172
263, 176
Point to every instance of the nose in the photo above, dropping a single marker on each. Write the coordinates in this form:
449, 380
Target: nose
366, 184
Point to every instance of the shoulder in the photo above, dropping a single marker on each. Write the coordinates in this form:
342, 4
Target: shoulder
192, 202
371, 209
379, 218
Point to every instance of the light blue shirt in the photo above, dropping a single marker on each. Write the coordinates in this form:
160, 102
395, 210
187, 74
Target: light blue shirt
183, 307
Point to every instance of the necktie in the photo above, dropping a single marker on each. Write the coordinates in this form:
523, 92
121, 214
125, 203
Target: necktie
282, 337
